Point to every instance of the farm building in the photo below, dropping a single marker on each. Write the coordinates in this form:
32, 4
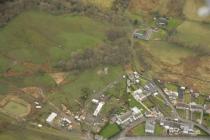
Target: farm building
51, 117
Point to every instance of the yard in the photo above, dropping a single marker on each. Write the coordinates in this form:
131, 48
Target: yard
187, 98
110, 130
171, 86
133, 103
182, 113
159, 130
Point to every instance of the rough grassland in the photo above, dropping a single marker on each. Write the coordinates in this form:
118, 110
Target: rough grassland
193, 33
15, 108
168, 53
105, 4
72, 90
39, 37
191, 8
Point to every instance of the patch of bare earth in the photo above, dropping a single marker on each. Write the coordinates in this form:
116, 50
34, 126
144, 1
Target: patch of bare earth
36, 92
58, 77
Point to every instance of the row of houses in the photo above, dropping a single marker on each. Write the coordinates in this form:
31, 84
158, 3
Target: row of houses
193, 107
177, 128
63, 121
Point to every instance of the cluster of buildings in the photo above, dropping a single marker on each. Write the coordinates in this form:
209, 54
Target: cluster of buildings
99, 104
128, 117
175, 127
161, 21
144, 34
177, 98
37, 105
53, 119
142, 93
150, 126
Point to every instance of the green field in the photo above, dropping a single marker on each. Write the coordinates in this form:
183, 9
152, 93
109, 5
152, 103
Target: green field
71, 91
168, 53
110, 130
37, 134
139, 130
133, 103
15, 108
195, 34
58, 35
159, 130
171, 86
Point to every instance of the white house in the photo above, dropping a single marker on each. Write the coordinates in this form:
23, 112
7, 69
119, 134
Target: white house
98, 108
51, 117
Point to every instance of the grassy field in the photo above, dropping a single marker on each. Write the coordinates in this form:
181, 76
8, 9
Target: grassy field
138, 130
71, 91
159, 130
105, 4
47, 38
110, 130
133, 103
15, 108
42, 80
37, 134
166, 52
171, 86
198, 36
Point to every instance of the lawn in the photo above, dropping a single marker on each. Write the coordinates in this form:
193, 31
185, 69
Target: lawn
143, 81
182, 113
206, 120
171, 86
133, 103
200, 100
139, 130
110, 130
148, 103
15, 108
187, 98
159, 130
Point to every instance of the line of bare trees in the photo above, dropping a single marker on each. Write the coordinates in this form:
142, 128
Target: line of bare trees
115, 51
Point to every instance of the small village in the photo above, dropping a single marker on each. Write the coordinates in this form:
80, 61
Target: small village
174, 124
149, 107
